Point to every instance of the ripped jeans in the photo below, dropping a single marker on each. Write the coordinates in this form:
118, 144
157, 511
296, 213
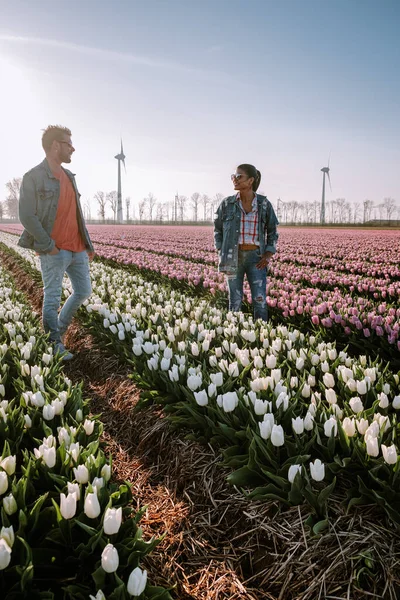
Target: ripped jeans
257, 279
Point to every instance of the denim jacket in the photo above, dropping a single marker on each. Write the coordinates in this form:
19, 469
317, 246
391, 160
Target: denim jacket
38, 202
227, 230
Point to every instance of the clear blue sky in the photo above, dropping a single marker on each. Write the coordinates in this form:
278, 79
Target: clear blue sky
196, 88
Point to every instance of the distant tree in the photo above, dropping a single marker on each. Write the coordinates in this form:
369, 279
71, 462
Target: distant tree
13, 187
151, 201
100, 198
307, 211
1, 210
142, 208
216, 201
194, 203
112, 200
368, 207
205, 200
389, 205
87, 210
181, 204
161, 211
356, 212
127, 204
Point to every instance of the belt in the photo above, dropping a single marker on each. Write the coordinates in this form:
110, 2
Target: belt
248, 247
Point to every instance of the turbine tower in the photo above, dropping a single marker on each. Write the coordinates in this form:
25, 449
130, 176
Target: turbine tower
325, 171
120, 158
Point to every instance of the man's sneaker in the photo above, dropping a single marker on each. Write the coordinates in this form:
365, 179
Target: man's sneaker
65, 354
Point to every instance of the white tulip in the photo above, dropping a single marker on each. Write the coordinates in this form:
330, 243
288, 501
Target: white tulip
317, 470
282, 399
306, 391
68, 505
389, 454
88, 426
112, 520
165, 364
98, 596
73, 488
329, 426
349, 426
329, 380
5, 554
92, 506
7, 534
28, 421
308, 421
81, 474
362, 426
3, 482
106, 472
201, 398
261, 407
383, 400
98, 483
265, 429
10, 505
49, 456
230, 401
109, 559
8, 464
64, 437
48, 412
396, 402
356, 405
298, 425
362, 387
293, 470
194, 382
330, 396
372, 446
79, 415
137, 582
211, 390
277, 436
37, 399
217, 379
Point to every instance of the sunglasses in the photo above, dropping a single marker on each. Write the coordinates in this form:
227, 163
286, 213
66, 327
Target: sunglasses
68, 144
237, 176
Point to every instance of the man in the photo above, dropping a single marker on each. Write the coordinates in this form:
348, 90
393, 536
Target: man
50, 211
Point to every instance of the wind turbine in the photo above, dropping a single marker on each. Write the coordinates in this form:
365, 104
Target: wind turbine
325, 171
120, 158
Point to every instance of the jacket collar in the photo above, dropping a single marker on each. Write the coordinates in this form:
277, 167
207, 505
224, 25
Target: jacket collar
232, 199
49, 172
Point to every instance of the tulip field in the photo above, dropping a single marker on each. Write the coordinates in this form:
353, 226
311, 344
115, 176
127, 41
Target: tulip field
302, 410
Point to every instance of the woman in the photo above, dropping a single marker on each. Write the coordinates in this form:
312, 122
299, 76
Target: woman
245, 236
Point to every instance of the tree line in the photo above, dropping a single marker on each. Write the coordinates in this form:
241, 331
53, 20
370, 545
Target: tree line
201, 208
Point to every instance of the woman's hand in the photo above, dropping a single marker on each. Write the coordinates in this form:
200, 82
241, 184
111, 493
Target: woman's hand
264, 261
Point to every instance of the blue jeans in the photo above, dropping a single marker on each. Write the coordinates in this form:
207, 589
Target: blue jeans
76, 265
257, 279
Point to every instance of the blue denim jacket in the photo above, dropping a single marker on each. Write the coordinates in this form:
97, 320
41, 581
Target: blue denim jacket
38, 202
227, 230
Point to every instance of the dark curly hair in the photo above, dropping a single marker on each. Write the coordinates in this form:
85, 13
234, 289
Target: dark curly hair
251, 171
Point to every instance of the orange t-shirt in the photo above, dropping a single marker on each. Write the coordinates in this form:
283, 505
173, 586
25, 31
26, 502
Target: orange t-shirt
65, 231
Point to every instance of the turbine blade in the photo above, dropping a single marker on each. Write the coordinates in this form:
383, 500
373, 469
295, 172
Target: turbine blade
122, 150
329, 180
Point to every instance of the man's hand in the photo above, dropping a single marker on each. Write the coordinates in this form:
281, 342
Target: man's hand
91, 256
54, 251
264, 261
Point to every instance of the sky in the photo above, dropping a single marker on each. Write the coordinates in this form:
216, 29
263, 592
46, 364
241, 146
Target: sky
196, 88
